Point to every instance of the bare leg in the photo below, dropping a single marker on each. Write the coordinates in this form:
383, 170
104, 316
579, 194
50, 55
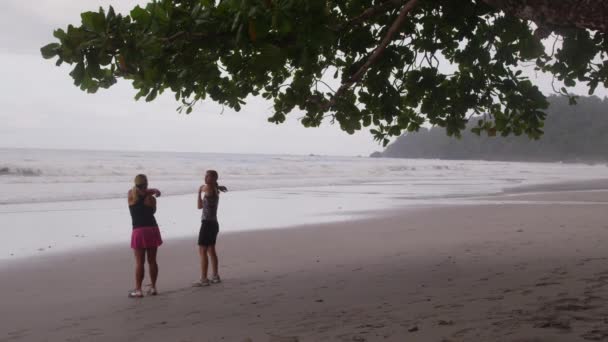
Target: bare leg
153, 265
140, 259
204, 261
214, 263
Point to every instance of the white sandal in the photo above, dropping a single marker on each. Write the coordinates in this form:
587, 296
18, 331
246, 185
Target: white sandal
151, 291
216, 279
201, 283
136, 294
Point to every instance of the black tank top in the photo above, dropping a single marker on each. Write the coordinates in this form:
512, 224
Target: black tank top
210, 204
142, 215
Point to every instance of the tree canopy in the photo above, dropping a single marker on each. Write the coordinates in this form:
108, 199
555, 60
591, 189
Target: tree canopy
397, 64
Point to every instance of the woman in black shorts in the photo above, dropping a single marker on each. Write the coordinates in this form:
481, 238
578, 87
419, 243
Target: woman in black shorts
208, 200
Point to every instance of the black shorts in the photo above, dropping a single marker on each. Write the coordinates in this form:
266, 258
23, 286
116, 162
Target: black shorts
208, 233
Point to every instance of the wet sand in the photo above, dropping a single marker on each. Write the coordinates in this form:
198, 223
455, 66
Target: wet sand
524, 267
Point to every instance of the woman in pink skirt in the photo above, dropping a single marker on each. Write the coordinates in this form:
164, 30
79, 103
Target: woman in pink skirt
145, 237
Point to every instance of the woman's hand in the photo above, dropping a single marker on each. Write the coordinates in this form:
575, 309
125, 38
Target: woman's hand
154, 192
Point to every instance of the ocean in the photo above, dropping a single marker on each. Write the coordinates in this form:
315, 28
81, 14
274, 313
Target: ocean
61, 200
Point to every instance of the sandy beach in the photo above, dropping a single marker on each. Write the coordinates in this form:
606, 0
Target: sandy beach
524, 267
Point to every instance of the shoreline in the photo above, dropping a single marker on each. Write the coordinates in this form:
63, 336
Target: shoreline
566, 161
588, 185
179, 206
499, 271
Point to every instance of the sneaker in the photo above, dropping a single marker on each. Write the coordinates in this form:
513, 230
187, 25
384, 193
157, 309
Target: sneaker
216, 279
201, 283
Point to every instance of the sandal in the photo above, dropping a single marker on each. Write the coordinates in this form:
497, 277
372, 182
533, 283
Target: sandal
136, 294
151, 291
216, 279
201, 283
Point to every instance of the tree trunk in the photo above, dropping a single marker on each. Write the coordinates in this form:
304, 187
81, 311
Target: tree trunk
585, 14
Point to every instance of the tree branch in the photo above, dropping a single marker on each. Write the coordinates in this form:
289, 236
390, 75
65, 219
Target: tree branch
180, 34
550, 14
356, 77
174, 37
373, 11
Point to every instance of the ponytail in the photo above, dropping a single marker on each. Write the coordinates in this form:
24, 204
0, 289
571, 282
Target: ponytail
217, 187
135, 193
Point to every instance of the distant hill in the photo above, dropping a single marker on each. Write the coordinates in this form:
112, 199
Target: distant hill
576, 133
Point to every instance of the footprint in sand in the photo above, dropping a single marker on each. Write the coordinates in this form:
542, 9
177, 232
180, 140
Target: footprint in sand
570, 304
283, 339
460, 333
559, 271
596, 335
95, 332
561, 324
193, 313
546, 283
17, 333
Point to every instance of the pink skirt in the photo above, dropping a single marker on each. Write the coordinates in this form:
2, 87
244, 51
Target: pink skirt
146, 237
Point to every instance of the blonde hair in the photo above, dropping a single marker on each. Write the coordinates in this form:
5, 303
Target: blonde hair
139, 180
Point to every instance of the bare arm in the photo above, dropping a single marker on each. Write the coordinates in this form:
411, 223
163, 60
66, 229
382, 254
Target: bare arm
153, 191
199, 199
130, 197
150, 201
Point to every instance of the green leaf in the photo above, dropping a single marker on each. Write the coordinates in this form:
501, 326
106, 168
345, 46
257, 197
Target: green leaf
94, 21
111, 14
60, 34
592, 85
51, 50
196, 10
141, 16
569, 82
394, 131
152, 95
78, 73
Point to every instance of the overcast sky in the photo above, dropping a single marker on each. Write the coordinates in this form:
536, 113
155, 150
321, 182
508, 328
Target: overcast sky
40, 107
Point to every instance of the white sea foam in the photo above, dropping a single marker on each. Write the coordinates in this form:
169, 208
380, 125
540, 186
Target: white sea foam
28, 175
38, 213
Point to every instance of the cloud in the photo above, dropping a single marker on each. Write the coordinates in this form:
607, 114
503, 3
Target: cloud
42, 108
25, 26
